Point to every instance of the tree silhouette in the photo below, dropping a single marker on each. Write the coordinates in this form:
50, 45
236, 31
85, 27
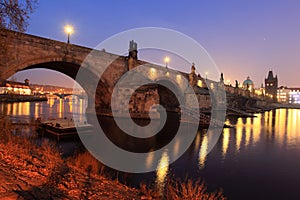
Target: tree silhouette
14, 14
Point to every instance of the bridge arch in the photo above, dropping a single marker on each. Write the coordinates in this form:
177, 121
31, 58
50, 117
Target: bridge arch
45, 63
169, 93
66, 66
173, 84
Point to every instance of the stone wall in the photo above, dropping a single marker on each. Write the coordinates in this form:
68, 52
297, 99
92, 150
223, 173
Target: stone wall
141, 99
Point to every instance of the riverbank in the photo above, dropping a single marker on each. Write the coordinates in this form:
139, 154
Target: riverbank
28, 171
287, 106
21, 98
251, 110
38, 176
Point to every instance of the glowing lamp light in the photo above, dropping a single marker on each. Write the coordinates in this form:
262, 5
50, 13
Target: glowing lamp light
167, 60
69, 30
199, 83
178, 78
153, 73
152, 70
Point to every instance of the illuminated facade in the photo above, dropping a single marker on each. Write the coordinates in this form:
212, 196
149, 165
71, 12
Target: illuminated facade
288, 95
294, 95
12, 87
283, 94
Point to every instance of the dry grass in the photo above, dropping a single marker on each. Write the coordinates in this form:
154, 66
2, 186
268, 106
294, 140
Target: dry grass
178, 190
88, 162
59, 168
5, 127
28, 146
191, 190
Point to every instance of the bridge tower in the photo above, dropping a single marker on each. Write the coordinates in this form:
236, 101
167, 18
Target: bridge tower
271, 85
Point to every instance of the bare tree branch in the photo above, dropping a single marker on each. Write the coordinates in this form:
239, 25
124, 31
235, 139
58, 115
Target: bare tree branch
14, 14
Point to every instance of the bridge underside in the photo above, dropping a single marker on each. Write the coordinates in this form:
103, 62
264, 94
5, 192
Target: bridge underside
62, 67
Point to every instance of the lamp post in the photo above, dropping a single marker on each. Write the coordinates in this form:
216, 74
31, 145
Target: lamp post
69, 30
206, 73
167, 60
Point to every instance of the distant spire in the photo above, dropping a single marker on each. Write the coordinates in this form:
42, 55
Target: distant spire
270, 75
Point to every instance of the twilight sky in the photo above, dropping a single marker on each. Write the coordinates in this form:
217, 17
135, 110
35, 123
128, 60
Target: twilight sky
244, 38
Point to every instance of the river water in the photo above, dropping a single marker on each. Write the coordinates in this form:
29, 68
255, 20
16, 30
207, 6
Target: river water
257, 159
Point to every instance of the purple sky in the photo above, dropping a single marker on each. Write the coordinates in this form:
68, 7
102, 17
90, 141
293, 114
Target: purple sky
244, 38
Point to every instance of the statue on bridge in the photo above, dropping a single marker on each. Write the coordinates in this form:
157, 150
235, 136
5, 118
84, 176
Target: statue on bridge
236, 89
132, 57
193, 79
222, 78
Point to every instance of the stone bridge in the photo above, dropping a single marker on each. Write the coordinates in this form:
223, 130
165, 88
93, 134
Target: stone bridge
102, 71
20, 51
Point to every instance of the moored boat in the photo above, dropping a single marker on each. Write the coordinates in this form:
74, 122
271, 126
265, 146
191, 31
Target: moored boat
63, 127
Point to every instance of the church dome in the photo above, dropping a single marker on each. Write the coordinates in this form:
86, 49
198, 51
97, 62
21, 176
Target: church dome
248, 82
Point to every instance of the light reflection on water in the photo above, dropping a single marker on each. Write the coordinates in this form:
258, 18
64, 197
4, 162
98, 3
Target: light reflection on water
69, 107
225, 143
162, 171
239, 134
256, 158
53, 108
288, 135
282, 127
203, 151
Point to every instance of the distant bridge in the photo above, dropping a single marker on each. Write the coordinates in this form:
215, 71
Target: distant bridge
60, 95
